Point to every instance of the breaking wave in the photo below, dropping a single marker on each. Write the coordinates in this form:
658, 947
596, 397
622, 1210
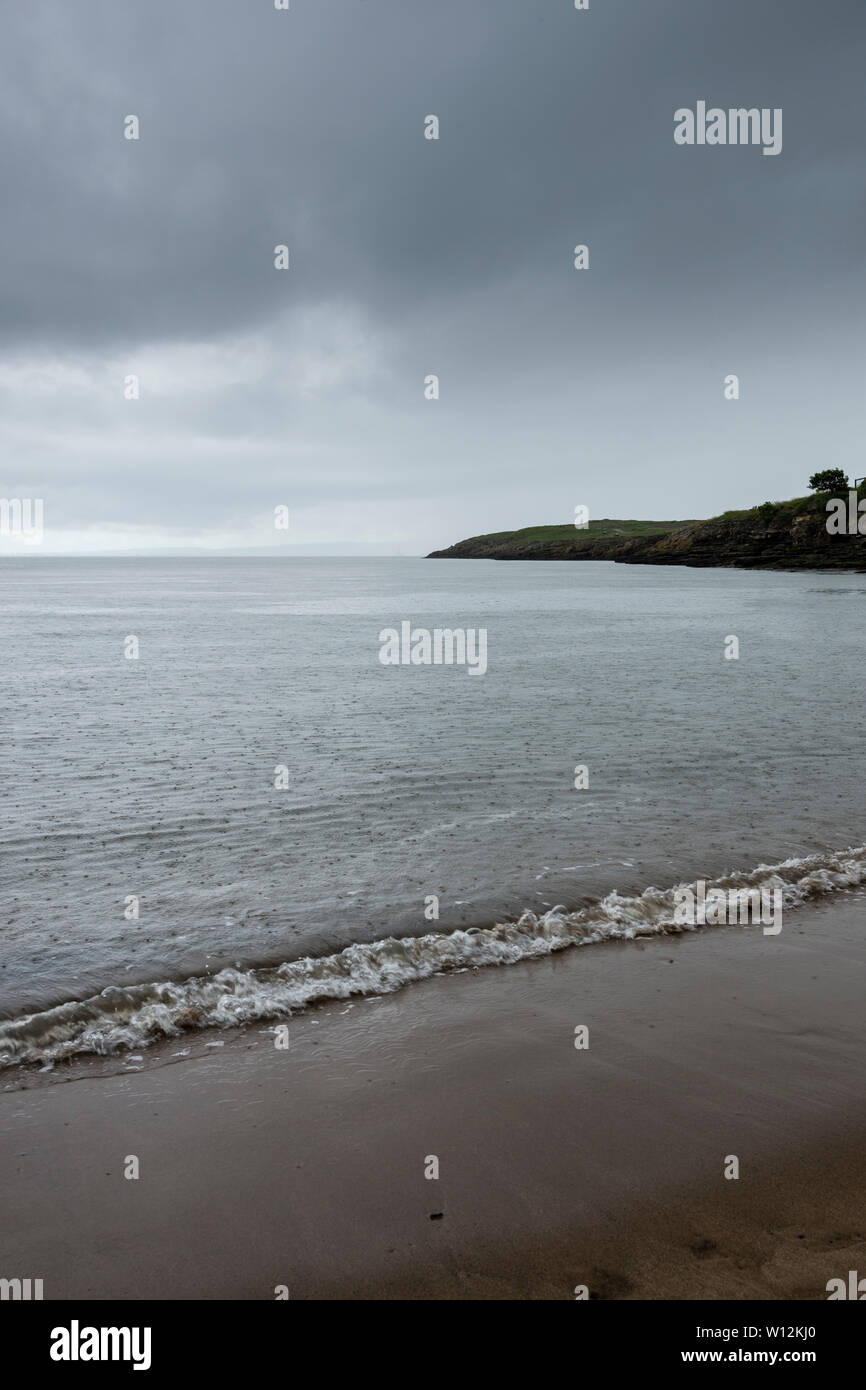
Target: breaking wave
122, 1018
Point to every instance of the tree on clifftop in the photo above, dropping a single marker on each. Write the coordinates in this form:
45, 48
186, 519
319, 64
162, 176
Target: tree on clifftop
829, 480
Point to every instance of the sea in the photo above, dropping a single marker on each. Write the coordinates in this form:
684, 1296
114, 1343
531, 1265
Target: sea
220, 805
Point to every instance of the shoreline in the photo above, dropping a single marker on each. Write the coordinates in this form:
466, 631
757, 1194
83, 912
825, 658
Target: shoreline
558, 1167
115, 1022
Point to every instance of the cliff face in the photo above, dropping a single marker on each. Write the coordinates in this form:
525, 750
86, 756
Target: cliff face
786, 540
788, 535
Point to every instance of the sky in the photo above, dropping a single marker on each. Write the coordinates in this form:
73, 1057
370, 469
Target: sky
304, 388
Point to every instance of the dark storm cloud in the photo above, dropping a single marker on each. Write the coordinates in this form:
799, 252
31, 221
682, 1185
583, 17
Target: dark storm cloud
260, 127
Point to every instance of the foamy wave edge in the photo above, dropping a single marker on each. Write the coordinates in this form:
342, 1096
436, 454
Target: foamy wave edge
119, 1019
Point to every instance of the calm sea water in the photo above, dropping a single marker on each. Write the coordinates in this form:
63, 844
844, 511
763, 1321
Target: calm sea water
154, 778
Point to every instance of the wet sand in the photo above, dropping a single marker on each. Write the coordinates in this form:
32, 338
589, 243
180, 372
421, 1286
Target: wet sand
558, 1167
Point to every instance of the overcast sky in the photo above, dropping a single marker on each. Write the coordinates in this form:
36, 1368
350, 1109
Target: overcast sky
409, 257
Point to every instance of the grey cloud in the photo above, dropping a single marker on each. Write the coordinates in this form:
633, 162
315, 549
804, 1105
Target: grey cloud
453, 256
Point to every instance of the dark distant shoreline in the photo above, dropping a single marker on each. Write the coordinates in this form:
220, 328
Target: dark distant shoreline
777, 535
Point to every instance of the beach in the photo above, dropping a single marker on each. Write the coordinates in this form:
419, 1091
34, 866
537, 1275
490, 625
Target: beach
302, 1169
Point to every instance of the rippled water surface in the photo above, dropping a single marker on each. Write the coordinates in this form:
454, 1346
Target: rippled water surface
155, 778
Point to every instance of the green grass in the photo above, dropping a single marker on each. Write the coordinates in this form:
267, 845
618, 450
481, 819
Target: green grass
814, 502
596, 530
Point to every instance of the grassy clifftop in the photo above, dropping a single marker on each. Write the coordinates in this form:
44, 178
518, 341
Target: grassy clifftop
776, 535
558, 542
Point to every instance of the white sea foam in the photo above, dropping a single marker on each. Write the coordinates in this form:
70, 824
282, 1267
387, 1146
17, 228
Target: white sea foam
123, 1018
